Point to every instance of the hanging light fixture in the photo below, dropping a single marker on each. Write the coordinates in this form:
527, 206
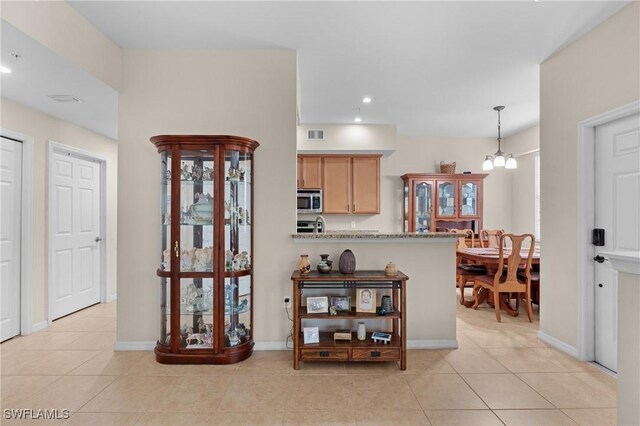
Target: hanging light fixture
498, 158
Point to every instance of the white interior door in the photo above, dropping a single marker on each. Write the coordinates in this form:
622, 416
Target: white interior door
76, 234
617, 211
10, 228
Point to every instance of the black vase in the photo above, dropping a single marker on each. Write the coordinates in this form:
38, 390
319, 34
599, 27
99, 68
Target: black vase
347, 263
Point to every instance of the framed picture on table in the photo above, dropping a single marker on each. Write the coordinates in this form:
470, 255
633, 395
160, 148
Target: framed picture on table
366, 300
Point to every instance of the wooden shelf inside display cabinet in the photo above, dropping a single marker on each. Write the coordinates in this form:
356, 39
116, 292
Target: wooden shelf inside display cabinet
324, 347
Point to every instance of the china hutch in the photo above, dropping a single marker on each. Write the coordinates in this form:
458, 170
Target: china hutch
206, 256
436, 202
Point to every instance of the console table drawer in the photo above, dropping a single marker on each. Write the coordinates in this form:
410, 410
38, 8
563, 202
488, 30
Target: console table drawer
315, 354
386, 354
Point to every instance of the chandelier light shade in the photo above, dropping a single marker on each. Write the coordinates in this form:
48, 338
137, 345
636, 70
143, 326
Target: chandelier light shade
498, 160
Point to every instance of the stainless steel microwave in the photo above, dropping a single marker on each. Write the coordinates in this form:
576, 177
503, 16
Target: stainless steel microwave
309, 201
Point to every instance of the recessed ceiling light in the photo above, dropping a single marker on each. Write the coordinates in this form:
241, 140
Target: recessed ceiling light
357, 119
4, 70
366, 100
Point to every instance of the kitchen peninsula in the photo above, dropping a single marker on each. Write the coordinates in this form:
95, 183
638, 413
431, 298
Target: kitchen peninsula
428, 258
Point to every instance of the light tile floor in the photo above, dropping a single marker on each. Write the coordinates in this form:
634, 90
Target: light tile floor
501, 374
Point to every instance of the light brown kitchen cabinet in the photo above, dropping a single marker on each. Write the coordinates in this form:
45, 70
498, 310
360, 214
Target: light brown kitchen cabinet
309, 172
336, 185
351, 184
437, 201
365, 176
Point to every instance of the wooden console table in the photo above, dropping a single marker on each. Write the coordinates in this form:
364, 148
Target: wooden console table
357, 351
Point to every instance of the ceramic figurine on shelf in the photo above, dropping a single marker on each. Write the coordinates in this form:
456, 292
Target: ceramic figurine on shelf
228, 260
186, 259
167, 175
198, 337
241, 173
242, 330
196, 172
234, 339
244, 260
207, 173
236, 262
185, 174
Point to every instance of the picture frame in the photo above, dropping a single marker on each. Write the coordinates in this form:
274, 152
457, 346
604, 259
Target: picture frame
366, 300
318, 305
311, 335
381, 336
341, 303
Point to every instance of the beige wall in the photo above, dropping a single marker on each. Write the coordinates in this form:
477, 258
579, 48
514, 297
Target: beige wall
628, 349
349, 137
595, 74
523, 186
423, 155
245, 93
60, 28
43, 128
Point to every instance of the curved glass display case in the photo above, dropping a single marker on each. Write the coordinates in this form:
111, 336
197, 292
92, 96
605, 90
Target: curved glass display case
206, 255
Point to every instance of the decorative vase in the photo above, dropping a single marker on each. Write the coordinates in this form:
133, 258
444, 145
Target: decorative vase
391, 270
304, 266
347, 262
325, 265
386, 305
362, 331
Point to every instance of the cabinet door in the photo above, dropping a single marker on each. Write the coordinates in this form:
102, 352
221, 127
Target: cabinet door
299, 173
365, 174
311, 172
446, 198
423, 206
336, 185
469, 202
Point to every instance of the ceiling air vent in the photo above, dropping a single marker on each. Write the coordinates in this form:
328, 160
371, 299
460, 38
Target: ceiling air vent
64, 98
315, 135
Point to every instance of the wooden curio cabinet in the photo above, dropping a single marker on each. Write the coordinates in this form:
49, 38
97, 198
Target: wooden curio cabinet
435, 202
206, 259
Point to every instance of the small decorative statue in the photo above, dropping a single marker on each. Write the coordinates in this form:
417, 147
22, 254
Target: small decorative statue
207, 173
185, 173
196, 172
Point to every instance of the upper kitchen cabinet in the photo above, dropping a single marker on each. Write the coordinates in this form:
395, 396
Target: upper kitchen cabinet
309, 172
437, 201
351, 184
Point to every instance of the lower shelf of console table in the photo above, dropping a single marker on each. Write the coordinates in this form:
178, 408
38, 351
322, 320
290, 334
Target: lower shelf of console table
355, 350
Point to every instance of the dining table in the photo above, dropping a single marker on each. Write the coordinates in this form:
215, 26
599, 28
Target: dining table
490, 258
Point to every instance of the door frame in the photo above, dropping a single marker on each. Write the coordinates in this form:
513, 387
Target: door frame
56, 147
26, 231
586, 222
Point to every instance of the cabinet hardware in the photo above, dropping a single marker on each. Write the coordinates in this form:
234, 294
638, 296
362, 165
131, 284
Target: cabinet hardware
324, 353
176, 249
303, 183
375, 354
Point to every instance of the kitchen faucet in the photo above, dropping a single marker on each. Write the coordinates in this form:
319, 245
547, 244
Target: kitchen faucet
319, 220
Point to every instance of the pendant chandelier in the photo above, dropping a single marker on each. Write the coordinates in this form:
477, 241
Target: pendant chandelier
497, 160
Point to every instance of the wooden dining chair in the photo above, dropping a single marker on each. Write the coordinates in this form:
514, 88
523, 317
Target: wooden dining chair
490, 237
506, 279
465, 272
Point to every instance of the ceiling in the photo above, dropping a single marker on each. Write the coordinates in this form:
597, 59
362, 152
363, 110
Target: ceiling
432, 68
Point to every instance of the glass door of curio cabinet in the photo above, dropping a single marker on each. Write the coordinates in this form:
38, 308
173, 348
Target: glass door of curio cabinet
206, 272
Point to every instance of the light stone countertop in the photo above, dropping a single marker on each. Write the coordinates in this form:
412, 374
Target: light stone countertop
364, 235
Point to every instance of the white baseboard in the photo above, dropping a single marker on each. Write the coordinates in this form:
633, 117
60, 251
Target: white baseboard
112, 297
271, 346
432, 344
134, 346
39, 326
558, 344
281, 346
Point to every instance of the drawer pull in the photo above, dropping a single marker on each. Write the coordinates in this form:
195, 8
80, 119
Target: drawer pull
324, 353
375, 354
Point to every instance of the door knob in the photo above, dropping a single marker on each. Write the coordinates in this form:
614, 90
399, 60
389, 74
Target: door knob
600, 259
97, 239
600, 285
